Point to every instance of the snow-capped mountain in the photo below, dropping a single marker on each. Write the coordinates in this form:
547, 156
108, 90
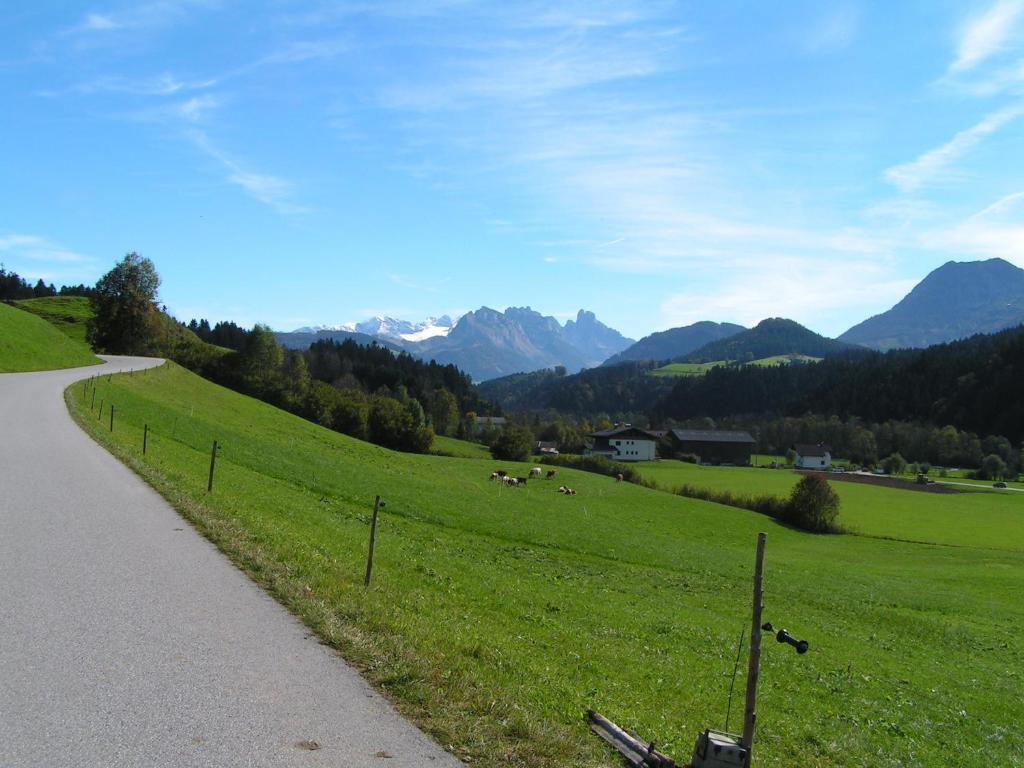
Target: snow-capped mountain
390, 328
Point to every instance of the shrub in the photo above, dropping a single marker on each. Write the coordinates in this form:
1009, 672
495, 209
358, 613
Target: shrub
813, 506
513, 444
894, 464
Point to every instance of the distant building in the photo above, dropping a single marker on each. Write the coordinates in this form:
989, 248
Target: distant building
813, 456
714, 446
483, 423
544, 448
623, 443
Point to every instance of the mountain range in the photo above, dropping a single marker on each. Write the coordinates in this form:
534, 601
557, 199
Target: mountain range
957, 300
484, 343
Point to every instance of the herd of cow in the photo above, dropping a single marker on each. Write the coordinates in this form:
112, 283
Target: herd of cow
517, 482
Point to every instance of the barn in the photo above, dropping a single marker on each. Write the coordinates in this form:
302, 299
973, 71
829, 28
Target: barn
714, 446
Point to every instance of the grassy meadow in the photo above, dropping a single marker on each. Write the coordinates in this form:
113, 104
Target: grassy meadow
974, 517
497, 616
29, 343
699, 369
68, 314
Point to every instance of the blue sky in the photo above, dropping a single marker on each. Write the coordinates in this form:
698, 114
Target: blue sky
656, 162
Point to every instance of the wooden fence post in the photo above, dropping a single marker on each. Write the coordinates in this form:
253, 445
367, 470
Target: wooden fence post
373, 540
111, 417
93, 404
754, 664
145, 438
213, 463
99, 416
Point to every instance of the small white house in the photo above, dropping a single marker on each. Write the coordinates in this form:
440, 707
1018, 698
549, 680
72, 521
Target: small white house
623, 443
813, 456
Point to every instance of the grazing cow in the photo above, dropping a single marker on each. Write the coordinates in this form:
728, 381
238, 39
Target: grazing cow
520, 481
502, 473
566, 490
509, 481
535, 472
495, 475
551, 473
619, 478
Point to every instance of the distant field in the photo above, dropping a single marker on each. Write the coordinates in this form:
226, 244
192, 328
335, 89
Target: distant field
497, 616
980, 519
29, 343
699, 369
685, 369
785, 360
68, 314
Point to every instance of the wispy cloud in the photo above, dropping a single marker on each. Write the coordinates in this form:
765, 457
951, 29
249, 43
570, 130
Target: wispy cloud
934, 164
36, 248
96, 28
799, 287
986, 34
98, 22
158, 85
834, 31
274, 191
997, 230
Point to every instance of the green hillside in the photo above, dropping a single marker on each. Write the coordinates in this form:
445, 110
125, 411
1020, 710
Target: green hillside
497, 616
69, 314
769, 338
29, 343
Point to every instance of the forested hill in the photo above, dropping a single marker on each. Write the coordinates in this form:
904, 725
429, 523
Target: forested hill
974, 384
771, 337
616, 390
675, 342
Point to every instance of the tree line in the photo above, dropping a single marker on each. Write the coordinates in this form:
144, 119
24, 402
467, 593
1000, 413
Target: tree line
13, 287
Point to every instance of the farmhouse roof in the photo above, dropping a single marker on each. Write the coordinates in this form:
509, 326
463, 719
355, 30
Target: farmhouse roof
806, 449
635, 432
544, 444
712, 436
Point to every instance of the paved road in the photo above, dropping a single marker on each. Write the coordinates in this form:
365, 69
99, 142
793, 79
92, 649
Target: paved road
126, 639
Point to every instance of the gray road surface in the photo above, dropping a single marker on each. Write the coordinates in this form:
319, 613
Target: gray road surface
126, 639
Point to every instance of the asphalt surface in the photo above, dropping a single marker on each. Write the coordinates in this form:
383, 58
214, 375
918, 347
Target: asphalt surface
126, 639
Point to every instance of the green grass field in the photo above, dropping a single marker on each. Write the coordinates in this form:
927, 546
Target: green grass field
497, 616
69, 314
29, 343
459, 449
951, 519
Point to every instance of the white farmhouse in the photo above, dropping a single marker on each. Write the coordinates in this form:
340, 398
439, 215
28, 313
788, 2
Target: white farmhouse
623, 443
813, 456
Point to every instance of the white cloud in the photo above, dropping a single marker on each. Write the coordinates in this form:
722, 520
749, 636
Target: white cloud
986, 34
934, 164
